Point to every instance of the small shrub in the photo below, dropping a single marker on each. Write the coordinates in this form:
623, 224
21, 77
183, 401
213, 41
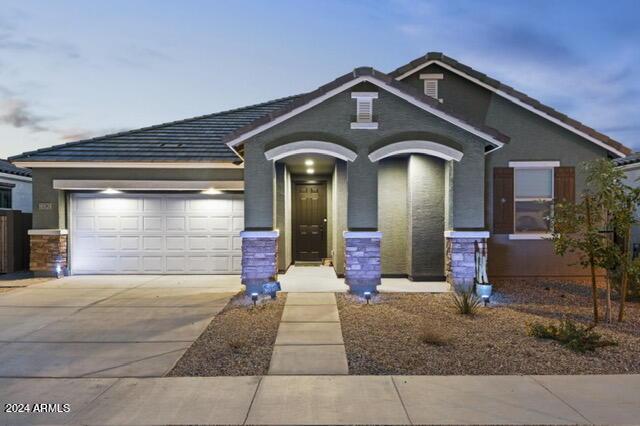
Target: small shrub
236, 343
578, 338
429, 336
466, 302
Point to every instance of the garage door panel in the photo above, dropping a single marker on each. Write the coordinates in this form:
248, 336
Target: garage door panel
155, 234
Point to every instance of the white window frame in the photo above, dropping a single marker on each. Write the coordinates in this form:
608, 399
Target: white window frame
549, 165
432, 78
364, 98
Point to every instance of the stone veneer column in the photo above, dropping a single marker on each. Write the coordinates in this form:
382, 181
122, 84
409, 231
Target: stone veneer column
259, 259
460, 268
48, 249
362, 260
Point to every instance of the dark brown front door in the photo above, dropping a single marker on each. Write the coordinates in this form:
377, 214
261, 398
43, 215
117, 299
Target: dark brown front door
310, 214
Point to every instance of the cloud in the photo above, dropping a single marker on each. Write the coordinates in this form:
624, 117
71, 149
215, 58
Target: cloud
10, 42
17, 113
140, 56
75, 134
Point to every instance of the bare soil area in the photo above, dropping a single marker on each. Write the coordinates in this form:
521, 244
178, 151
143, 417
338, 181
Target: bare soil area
238, 341
423, 334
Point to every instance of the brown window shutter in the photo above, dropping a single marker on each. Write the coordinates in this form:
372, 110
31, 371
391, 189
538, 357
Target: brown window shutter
502, 200
564, 184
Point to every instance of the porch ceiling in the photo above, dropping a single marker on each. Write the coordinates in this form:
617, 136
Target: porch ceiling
322, 164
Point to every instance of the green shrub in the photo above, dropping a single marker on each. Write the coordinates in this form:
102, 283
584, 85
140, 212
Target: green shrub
578, 338
466, 302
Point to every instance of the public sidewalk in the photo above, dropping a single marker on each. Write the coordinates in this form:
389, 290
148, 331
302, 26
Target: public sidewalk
330, 400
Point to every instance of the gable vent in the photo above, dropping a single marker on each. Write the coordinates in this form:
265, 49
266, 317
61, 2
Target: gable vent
364, 110
431, 84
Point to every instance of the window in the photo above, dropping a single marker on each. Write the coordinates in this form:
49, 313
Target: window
364, 110
533, 197
431, 84
5, 198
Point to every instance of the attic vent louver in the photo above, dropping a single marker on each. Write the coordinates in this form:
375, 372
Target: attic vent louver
431, 84
364, 110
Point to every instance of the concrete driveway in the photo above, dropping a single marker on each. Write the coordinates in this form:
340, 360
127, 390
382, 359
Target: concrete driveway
106, 326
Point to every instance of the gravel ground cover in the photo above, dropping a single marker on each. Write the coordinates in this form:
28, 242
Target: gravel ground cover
388, 336
238, 341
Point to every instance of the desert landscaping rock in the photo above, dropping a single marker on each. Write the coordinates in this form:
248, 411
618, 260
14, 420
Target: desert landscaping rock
238, 341
386, 337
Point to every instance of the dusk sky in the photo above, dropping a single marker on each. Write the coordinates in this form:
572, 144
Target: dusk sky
71, 70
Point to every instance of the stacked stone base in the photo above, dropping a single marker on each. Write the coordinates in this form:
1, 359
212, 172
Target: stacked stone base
259, 259
48, 252
362, 261
460, 261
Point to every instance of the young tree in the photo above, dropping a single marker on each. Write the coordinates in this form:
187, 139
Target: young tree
597, 229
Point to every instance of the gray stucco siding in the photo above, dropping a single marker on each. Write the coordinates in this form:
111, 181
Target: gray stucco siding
534, 138
43, 191
331, 120
393, 215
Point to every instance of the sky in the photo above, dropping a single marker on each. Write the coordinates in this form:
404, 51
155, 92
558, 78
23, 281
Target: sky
76, 69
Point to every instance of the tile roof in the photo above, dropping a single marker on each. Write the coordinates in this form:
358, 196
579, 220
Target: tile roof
438, 56
7, 167
363, 72
193, 139
629, 159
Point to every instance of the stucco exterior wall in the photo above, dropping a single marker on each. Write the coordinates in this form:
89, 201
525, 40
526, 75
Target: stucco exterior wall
398, 120
21, 193
43, 191
393, 215
339, 215
426, 207
633, 176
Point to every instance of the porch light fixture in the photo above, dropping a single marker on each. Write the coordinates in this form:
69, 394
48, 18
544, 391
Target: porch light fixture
310, 171
254, 298
308, 162
211, 191
367, 296
111, 191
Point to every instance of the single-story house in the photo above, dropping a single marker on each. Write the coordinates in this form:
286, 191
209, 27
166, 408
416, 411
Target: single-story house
399, 174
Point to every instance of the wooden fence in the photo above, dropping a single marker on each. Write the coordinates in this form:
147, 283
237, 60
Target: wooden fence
14, 241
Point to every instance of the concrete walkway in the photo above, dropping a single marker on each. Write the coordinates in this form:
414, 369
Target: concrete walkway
309, 339
330, 400
306, 279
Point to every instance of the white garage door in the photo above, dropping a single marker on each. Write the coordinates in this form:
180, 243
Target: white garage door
156, 234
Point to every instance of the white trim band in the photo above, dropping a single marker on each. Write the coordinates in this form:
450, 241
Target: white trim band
362, 234
417, 147
466, 234
260, 234
368, 95
310, 147
364, 126
48, 232
533, 164
128, 164
543, 236
15, 177
147, 185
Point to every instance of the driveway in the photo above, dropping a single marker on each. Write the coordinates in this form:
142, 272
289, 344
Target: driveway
106, 326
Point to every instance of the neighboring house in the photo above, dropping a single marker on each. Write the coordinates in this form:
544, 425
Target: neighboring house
399, 174
15, 187
631, 167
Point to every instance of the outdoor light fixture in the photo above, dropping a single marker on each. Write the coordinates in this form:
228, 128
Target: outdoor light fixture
310, 171
211, 191
58, 270
111, 191
308, 162
367, 296
254, 297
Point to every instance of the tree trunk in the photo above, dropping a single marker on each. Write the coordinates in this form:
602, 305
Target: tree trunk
624, 285
608, 312
594, 285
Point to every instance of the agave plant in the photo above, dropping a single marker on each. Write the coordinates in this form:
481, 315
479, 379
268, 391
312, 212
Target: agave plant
466, 302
